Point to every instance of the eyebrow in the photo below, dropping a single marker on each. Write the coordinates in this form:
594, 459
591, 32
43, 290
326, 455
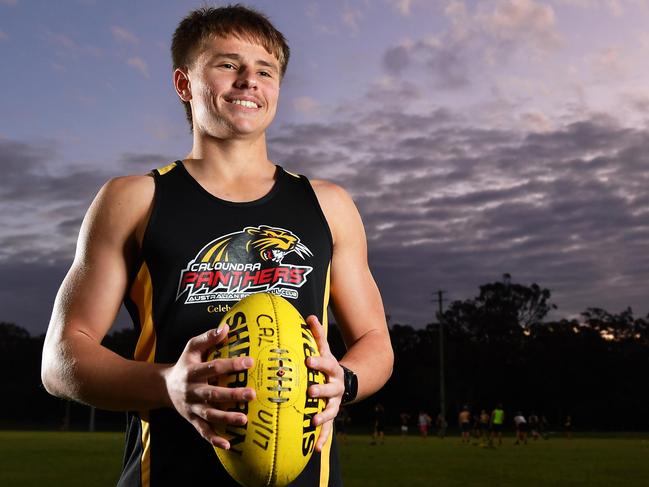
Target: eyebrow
237, 57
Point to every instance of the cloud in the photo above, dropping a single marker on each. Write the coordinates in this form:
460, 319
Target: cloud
123, 35
536, 122
69, 46
520, 21
447, 203
306, 105
445, 61
140, 65
481, 40
3, 35
10, 3
450, 204
616, 7
350, 17
312, 11
609, 62
402, 6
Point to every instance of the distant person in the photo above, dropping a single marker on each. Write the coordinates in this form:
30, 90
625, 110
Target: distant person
521, 428
379, 424
475, 427
341, 422
484, 426
441, 424
464, 419
533, 421
405, 418
497, 420
423, 421
544, 427
567, 427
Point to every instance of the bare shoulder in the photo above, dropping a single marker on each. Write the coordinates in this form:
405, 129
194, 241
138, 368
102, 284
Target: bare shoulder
132, 188
332, 196
339, 210
121, 208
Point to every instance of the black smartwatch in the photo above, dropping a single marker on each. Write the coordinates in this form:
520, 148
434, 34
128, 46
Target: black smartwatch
351, 385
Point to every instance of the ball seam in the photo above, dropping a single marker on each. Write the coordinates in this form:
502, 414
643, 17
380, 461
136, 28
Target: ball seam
273, 473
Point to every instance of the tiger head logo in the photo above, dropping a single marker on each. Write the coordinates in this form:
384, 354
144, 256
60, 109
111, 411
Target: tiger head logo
261, 244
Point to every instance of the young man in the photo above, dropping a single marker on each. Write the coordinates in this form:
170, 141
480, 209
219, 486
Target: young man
484, 426
520, 423
497, 422
464, 420
183, 244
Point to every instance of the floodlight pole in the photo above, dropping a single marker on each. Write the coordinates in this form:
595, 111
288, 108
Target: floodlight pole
442, 388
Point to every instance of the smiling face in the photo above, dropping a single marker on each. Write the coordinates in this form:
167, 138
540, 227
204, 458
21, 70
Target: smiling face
233, 88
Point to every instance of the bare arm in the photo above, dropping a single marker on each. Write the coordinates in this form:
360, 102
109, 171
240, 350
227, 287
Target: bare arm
355, 297
76, 366
357, 306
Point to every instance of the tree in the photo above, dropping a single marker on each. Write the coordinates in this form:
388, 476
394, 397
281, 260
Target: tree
617, 327
501, 312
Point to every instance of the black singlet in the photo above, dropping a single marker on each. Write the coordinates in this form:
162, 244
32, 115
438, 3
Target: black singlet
201, 254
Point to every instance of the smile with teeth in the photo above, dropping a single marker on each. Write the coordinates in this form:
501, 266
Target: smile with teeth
244, 103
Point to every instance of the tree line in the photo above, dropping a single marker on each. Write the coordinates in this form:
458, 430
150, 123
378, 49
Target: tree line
499, 348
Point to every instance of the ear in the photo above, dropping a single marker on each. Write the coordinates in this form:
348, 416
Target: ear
182, 84
251, 231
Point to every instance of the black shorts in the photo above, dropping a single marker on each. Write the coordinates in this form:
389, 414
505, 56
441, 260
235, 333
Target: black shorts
466, 427
496, 427
522, 427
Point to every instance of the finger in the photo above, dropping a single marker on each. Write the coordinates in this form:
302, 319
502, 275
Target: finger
329, 365
203, 342
325, 431
207, 432
326, 391
215, 394
220, 366
317, 330
217, 416
329, 413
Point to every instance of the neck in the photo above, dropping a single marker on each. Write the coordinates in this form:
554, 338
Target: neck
230, 158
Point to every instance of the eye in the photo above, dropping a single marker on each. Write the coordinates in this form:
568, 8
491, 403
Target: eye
265, 74
228, 66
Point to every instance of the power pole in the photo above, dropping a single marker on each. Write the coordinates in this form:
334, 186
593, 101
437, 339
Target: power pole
442, 387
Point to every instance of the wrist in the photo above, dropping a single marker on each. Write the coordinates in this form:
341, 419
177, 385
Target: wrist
164, 375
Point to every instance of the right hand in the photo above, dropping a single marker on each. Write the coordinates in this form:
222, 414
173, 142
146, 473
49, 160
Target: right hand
194, 398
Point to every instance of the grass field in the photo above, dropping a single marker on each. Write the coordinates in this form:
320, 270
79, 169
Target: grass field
93, 459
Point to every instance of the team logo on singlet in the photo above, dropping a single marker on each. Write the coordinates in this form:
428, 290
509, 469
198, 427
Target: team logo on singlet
236, 265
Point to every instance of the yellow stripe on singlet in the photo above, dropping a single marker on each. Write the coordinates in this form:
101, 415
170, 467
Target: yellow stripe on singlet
326, 449
142, 295
164, 170
292, 174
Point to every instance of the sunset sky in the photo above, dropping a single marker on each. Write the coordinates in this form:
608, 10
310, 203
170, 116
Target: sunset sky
476, 138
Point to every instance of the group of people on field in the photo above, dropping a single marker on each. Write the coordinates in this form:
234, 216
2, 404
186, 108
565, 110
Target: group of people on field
487, 428
484, 428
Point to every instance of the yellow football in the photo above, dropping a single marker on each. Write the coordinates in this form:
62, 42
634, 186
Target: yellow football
274, 446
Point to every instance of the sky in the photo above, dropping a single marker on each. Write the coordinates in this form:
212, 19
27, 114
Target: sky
476, 138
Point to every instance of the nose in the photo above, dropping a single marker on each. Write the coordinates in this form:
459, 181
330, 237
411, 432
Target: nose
246, 79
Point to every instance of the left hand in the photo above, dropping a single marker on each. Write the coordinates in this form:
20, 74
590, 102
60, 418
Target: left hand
332, 390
